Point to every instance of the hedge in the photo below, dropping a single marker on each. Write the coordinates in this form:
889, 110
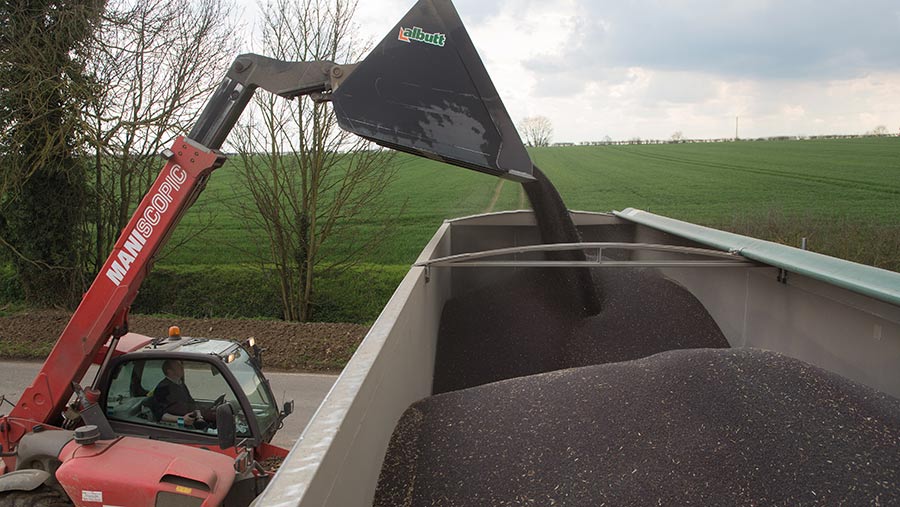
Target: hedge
10, 288
356, 295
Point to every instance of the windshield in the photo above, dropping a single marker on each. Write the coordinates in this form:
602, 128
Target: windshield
258, 393
171, 393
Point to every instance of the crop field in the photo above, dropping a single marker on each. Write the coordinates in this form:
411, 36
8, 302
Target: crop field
709, 183
856, 181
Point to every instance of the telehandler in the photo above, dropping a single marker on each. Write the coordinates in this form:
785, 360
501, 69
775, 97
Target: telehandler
108, 444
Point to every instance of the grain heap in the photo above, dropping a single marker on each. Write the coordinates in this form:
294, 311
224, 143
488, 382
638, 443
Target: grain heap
529, 325
686, 427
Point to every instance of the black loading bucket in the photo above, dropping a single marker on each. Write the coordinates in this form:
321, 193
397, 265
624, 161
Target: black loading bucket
424, 90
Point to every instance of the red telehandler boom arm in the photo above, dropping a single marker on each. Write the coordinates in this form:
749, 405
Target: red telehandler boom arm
103, 312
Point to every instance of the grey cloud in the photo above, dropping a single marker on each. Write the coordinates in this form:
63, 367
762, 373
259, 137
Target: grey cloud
475, 11
558, 85
679, 88
799, 39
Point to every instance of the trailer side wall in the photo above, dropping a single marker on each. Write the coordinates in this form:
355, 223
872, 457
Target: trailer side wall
338, 458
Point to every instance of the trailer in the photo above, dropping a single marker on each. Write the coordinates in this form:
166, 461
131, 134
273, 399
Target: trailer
837, 315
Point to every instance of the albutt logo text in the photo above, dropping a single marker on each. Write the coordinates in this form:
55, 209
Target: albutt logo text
418, 35
143, 229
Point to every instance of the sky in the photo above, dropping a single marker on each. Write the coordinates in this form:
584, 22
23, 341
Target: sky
649, 68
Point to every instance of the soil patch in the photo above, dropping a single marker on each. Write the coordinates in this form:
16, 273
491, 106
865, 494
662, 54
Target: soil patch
290, 346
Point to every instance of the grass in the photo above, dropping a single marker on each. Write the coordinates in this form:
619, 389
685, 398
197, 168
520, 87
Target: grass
427, 192
356, 295
855, 180
866, 243
844, 195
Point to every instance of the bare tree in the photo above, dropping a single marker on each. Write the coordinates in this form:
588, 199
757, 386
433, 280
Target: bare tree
306, 177
880, 130
43, 86
537, 130
677, 136
154, 63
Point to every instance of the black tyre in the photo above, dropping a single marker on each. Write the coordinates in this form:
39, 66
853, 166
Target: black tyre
43, 496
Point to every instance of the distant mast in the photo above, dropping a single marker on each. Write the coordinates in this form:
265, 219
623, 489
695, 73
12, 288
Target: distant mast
736, 128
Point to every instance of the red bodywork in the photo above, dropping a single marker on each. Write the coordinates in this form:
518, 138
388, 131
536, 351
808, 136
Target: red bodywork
103, 311
134, 471
128, 343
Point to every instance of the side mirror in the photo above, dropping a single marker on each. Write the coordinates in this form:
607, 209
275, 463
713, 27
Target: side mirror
288, 409
225, 425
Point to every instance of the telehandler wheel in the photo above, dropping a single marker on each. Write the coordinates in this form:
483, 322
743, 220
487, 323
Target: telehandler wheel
42, 496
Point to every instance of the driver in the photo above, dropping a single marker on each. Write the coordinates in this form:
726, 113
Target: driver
172, 400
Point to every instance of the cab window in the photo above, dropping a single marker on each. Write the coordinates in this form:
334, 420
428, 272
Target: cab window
175, 394
255, 389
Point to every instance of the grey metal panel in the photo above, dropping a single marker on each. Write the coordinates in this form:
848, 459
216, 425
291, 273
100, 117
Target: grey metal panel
806, 319
837, 329
526, 218
517, 228
878, 283
803, 318
337, 458
473, 238
23, 480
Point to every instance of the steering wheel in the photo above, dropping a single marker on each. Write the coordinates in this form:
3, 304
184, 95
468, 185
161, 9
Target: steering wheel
220, 400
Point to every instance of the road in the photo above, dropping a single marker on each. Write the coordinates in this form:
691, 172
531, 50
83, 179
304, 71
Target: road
306, 389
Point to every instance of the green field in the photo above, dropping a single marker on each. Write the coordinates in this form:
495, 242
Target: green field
843, 195
855, 181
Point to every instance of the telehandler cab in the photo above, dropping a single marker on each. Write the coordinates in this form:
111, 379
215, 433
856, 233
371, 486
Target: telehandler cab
423, 90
